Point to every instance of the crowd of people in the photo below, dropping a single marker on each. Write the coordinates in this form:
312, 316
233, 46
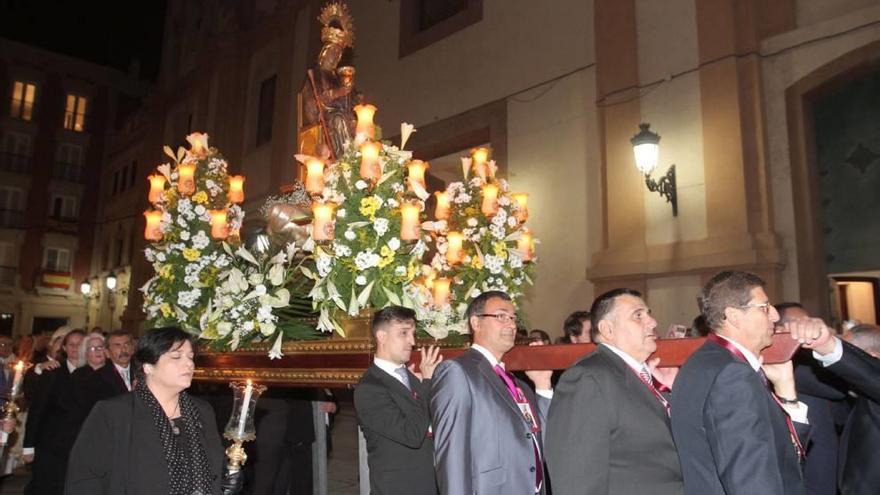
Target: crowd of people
723, 423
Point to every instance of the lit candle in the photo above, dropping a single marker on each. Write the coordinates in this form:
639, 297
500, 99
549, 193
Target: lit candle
441, 291
322, 225
314, 175
245, 407
409, 221
186, 182
236, 189
441, 212
524, 246
365, 124
416, 171
522, 203
153, 230
16, 381
370, 161
490, 200
454, 240
219, 227
480, 155
157, 187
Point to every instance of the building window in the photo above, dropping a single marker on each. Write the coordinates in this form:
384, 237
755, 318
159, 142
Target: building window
16, 152
8, 263
134, 167
425, 22
75, 113
63, 207
265, 111
68, 162
56, 260
23, 97
11, 207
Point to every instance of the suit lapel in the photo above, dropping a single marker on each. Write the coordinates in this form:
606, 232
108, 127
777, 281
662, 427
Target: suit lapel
393, 384
496, 383
632, 384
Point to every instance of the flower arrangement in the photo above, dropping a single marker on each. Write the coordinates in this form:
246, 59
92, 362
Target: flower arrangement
205, 281
480, 237
368, 254
188, 217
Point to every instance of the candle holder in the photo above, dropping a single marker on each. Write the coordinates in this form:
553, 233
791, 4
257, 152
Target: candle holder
11, 409
240, 427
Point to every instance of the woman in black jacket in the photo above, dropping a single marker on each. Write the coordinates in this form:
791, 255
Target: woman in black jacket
157, 439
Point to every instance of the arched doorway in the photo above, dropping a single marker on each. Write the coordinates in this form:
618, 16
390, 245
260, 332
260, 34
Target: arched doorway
833, 138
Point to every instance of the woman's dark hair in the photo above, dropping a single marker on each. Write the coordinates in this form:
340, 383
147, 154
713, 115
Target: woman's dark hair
158, 341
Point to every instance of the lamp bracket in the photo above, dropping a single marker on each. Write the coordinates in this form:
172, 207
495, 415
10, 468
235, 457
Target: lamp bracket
666, 187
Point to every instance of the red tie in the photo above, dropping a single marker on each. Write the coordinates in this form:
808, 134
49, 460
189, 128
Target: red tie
519, 397
655, 387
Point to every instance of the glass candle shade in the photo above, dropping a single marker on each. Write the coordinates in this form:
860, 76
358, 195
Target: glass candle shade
441, 211
241, 422
153, 230
455, 241
365, 124
416, 172
157, 187
186, 182
314, 176
441, 292
322, 223
370, 169
490, 200
219, 226
410, 228
522, 204
236, 189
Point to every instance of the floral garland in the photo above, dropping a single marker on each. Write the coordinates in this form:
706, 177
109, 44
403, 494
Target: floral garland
366, 264
481, 241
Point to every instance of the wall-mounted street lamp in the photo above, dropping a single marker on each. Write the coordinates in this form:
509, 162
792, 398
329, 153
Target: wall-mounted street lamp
85, 288
110, 281
646, 147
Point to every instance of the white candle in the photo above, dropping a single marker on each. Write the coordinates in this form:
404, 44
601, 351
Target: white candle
245, 406
16, 382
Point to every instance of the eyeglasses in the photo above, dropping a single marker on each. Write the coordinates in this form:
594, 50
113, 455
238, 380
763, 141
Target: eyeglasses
499, 317
95, 348
765, 307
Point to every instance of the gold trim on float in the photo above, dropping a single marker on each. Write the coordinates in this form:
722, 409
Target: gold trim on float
302, 346
291, 376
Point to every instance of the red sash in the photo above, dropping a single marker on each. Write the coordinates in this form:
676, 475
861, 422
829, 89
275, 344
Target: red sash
798, 448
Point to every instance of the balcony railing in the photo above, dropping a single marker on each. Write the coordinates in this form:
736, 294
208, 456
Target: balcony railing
13, 162
7, 275
12, 219
70, 172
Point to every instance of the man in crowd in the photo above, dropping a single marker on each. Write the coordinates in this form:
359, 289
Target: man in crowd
823, 393
608, 427
392, 408
116, 377
577, 327
859, 366
734, 435
487, 424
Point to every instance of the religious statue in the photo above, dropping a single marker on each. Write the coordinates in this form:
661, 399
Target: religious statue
328, 96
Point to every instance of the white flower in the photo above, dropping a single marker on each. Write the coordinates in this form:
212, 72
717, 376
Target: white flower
393, 203
497, 231
324, 264
394, 244
248, 326
200, 240
462, 198
511, 222
340, 213
255, 278
264, 313
223, 328
360, 280
361, 185
341, 250
472, 222
474, 293
493, 263
366, 259
396, 187
515, 262
400, 271
350, 235
184, 235
199, 210
275, 352
260, 290
160, 256
276, 274
380, 226
181, 220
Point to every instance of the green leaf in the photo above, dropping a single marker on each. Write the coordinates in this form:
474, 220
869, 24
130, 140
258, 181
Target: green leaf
364, 296
392, 297
353, 304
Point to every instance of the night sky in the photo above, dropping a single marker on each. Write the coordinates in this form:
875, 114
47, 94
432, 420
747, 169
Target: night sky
108, 33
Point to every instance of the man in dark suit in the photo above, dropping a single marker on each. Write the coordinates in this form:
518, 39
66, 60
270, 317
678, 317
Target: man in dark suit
823, 393
115, 377
487, 424
735, 436
859, 366
392, 409
608, 430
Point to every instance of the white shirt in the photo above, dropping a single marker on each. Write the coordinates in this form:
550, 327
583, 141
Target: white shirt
547, 394
629, 360
797, 412
389, 367
125, 373
70, 366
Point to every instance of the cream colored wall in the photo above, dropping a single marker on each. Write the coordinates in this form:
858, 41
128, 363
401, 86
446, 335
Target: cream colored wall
673, 300
553, 154
518, 44
787, 58
809, 12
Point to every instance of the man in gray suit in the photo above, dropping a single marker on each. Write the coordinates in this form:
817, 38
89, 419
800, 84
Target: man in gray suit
487, 423
608, 427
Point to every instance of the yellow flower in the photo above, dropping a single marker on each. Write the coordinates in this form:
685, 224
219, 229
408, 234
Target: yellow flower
191, 254
165, 308
369, 206
165, 272
477, 262
500, 249
200, 197
385, 261
386, 252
